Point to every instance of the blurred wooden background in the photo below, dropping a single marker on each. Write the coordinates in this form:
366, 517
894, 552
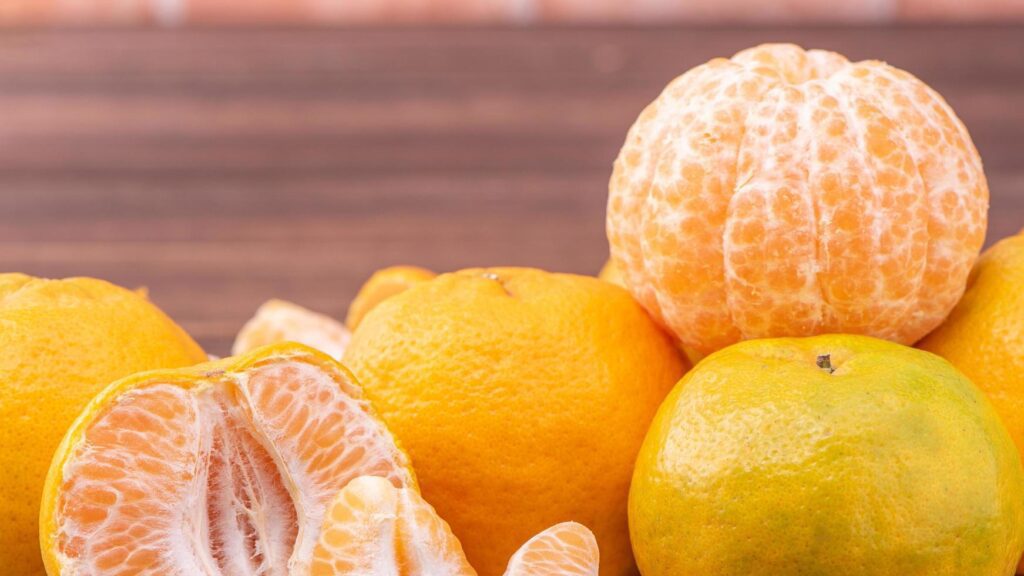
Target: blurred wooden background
222, 168
171, 13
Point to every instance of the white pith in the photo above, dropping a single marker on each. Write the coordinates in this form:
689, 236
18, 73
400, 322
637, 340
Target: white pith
251, 504
728, 121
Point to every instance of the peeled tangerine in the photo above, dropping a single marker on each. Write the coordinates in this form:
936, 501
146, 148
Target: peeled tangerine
374, 528
792, 192
226, 468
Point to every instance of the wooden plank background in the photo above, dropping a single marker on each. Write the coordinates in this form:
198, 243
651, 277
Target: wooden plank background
221, 168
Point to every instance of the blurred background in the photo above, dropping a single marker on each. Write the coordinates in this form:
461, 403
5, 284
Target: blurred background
513, 12
223, 152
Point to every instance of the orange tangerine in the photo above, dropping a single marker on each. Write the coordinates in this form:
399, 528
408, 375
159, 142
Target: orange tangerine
384, 284
62, 342
227, 467
790, 192
522, 397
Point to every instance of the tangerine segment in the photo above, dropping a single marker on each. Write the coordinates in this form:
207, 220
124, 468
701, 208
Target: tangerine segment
280, 321
566, 549
787, 192
222, 469
372, 527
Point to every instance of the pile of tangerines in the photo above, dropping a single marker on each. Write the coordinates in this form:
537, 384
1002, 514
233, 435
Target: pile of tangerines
738, 394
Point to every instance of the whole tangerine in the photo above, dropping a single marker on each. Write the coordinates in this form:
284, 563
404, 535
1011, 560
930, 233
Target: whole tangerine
833, 454
63, 341
522, 397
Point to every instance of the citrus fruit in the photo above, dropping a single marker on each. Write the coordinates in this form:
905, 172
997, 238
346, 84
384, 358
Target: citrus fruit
566, 549
612, 272
786, 192
984, 335
827, 455
62, 341
372, 527
280, 321
382, 285
522, 397
226, 467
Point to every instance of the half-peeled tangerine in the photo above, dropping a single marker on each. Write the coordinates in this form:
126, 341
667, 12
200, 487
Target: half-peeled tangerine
223, 468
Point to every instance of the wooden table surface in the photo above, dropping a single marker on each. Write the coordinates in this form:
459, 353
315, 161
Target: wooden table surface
221, 168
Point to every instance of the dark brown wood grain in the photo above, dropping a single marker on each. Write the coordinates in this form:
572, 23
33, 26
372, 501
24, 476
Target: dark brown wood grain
221, 168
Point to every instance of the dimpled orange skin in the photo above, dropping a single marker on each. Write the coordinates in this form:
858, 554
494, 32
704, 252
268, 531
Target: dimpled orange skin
762, 463
62, 342
786, 192
984, 335
522, 397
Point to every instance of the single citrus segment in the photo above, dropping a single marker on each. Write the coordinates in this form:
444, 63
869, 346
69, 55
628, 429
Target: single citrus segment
226, 467
61, 342
785, 192
280, 321
382, 285
372, 527
827, 455
566, 549
522, 397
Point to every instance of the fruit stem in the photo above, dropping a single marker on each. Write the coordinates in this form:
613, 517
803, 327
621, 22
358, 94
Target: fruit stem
493, 276
825, 363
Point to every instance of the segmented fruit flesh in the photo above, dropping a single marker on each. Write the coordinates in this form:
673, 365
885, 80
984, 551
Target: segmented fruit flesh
786, 192
280, 321
228, 476
566, 549
373, 528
